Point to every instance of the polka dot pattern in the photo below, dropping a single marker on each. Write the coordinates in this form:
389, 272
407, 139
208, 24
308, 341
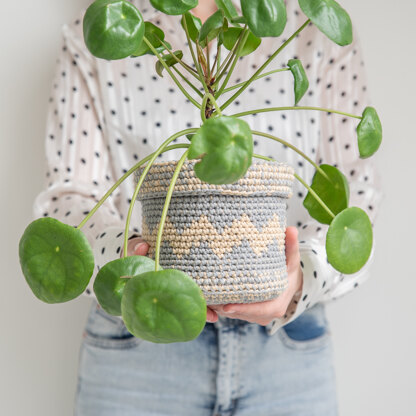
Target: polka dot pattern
104, 116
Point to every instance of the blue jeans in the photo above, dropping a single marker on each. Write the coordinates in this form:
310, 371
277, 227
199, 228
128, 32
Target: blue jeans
232, 368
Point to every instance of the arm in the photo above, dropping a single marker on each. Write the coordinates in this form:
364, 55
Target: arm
79, 164
341, 86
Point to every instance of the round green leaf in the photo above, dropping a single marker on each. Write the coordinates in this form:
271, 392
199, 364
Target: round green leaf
212, 27
154, 35
174, 7
349, 240
113, 29
111, 279
231, 37
193, 25
56, 260
226, 147
301, 80
164, 306
330, 18
333, 191
265, 18
369, 133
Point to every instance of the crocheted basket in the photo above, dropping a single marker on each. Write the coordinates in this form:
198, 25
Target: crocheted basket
229, 238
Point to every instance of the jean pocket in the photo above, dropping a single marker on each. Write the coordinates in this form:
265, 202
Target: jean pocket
309, 331
106, 331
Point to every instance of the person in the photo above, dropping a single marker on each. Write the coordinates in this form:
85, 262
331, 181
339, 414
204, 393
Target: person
269, 358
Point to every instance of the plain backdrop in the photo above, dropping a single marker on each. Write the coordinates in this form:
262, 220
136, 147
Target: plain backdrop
373, 328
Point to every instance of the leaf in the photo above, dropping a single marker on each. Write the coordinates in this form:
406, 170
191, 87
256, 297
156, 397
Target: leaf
174, 7
301, 80
169, 60
349, 240
163, 307
369, 133
215, 24
113, 29
330, 18
56, 260
111, 279
226, 147
265, 18
231, 37
154, 35
228, 8
333, 192
193, 24
239, 19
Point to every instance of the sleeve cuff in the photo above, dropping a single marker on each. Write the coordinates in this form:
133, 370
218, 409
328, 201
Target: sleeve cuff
317, 275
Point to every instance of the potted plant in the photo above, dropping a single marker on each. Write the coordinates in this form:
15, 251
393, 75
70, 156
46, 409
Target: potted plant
198, 209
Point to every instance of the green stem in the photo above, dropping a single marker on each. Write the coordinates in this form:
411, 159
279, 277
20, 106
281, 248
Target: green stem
277, 139
192, 71
313, 193
260, 76
211, 98
236, 58
155, 52
203, 107
196, 63
187, 81
247, 83
143, 176
122, 179
265, 110
231, 55
166, 207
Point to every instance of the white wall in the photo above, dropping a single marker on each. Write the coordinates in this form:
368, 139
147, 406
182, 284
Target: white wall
373, 328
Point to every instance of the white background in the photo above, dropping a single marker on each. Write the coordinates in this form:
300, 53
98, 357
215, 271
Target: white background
373, 328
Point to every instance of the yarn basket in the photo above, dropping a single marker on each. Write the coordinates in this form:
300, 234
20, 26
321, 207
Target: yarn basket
229, 238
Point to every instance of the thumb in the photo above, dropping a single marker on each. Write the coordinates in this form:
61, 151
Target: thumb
292, 247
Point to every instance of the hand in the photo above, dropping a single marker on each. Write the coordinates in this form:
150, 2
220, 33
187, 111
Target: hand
136, 247
263, 313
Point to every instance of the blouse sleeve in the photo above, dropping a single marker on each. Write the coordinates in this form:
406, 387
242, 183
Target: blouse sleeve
343, 87
79, 167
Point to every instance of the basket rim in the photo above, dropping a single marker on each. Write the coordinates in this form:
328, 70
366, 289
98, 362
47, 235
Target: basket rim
267, 178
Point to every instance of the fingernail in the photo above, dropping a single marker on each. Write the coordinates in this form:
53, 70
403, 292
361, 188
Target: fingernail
139, 246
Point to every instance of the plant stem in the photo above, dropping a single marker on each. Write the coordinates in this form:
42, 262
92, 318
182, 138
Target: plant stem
247, 83
236, 58
230, 57
265, 110
211, 98
187, 81
196, 63
192, 71
122, 179
313, 193
260, 76
277, 139
170, 73
166, 207
143, 177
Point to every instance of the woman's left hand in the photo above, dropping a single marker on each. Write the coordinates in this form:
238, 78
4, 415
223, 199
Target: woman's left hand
263, 313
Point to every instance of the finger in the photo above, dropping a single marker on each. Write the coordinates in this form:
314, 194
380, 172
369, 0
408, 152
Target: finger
211, 316
292, 247
141, 249
275, 308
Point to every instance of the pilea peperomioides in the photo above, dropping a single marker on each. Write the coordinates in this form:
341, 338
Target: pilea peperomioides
167, 305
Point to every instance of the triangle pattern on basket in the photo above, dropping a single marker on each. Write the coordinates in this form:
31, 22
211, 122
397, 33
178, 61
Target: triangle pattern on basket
220, 243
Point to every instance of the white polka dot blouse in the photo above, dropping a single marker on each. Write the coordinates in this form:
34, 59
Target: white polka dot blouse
104, 116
